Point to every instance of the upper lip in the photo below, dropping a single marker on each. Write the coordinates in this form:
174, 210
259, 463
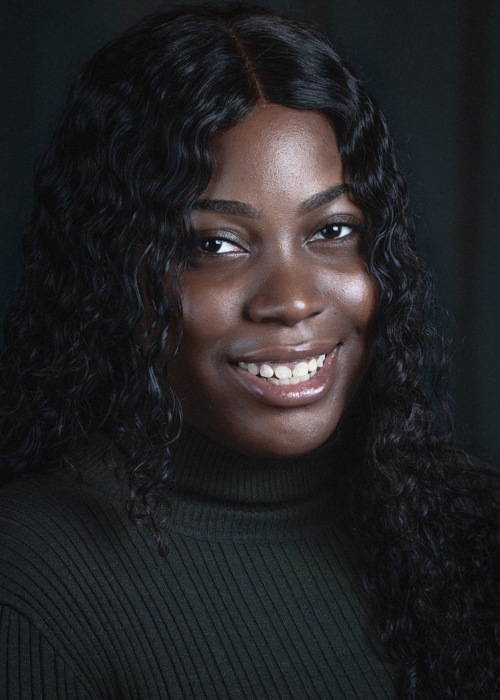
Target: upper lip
286, 353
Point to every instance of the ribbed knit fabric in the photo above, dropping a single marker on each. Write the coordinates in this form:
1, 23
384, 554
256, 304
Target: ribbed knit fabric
258, 597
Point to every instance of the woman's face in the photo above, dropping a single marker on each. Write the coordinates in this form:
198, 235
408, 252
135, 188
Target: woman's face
277, 283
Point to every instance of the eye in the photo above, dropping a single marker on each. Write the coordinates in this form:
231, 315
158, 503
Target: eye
333, 231
217, 246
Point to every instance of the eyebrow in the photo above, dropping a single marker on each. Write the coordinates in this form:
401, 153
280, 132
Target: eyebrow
322, 198
233, 208
225, 206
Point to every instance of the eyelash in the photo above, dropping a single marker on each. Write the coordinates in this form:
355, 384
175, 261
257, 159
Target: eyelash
354, 228
212, 240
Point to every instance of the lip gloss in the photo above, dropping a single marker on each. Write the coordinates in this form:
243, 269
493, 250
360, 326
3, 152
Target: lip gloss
292, 395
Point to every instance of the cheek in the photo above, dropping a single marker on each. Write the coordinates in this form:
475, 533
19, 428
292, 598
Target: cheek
356, 296
209, 312
364, 300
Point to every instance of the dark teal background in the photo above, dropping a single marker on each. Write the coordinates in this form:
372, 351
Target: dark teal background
433, 66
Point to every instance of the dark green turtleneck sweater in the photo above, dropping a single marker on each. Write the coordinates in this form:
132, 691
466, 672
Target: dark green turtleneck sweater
258, 597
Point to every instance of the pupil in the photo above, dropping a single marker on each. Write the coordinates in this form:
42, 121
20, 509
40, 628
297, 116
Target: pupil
212, 245
332, 231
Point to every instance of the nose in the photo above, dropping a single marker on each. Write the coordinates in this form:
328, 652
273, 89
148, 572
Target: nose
285, 292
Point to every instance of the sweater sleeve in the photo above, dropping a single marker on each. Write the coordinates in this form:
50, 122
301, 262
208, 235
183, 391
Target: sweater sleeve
29, 667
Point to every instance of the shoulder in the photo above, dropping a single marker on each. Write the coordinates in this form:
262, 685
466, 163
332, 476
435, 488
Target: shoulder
59, 544
53, 530
39, 670
62, 506
54, 507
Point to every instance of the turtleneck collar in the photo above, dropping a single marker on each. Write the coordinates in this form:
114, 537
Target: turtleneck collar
210, 471
223, 494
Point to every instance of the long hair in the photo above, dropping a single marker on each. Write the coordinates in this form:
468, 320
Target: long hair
113, 194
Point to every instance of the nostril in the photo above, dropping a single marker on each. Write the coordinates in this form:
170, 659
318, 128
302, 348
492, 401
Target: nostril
286, 306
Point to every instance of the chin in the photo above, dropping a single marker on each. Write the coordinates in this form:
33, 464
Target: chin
282, 443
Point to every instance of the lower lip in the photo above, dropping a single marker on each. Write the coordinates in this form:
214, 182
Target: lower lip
292, 395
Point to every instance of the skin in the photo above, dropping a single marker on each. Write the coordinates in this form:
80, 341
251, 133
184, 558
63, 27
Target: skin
274, 279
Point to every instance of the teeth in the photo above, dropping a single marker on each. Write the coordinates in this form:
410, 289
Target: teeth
266, 371
283, 372
283, 375
301, 369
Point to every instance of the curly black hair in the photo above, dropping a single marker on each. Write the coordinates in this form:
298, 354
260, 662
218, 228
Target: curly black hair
113, 194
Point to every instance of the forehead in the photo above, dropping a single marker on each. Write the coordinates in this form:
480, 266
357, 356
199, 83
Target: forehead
277, 152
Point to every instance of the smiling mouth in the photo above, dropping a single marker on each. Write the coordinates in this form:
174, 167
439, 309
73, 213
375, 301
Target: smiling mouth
285, 374
302, 381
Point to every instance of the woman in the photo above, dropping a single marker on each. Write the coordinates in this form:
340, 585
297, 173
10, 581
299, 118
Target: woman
225, 474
